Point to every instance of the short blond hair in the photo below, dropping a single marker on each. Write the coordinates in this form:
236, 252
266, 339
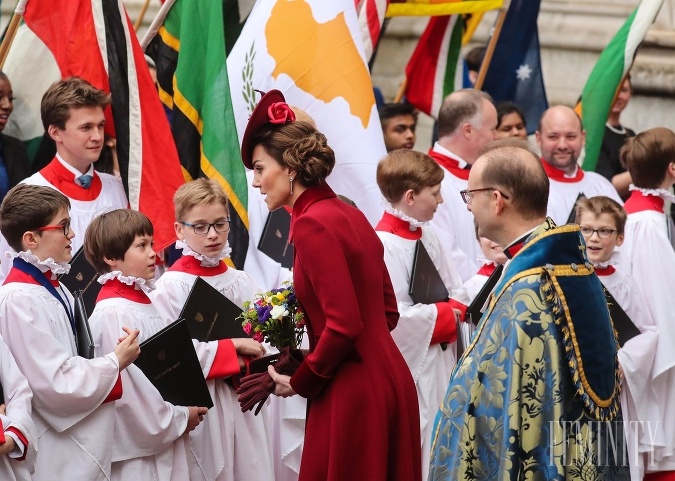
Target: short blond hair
602, 205
198, 192
404, 169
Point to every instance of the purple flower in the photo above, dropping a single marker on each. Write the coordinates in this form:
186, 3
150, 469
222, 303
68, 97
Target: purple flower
264, 315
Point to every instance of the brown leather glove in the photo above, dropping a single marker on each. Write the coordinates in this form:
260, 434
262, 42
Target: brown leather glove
256, 388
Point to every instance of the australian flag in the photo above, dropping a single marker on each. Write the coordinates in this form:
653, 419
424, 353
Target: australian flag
515, 70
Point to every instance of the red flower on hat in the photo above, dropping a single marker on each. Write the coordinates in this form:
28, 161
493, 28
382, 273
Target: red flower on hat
280, 113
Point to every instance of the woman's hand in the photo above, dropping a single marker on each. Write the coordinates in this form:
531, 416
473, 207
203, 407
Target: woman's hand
283, 385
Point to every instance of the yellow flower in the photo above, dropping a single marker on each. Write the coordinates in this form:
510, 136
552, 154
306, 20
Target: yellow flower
281, 296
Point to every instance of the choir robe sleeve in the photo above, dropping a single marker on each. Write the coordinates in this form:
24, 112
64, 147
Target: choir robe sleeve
145, 424
216, 358
18, 398
66, 388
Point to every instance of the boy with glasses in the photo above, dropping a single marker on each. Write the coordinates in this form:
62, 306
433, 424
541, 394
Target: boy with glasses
72, 396
223, 444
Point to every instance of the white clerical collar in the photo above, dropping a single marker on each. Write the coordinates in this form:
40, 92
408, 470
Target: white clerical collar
76, 173
461, 163
520, 238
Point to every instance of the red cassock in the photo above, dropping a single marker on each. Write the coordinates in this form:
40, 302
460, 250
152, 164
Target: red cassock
363, 416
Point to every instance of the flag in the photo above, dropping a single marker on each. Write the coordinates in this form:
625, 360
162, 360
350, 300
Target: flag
606, 77
435, 68
515, 70
371, 18
189, 53
311, 50
95, 40
436, 8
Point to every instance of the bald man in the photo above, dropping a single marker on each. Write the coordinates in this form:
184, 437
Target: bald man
560, 138
516, 407
467, 122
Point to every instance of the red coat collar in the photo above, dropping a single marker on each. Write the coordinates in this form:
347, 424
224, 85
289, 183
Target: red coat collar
15, 275
559, 175
450, 164
190, 265
605, 271
310, 196
115, 289
392, 224
61, 178
638, 202
487, 270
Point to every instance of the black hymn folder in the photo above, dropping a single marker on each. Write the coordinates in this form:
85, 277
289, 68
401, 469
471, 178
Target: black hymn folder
426, 284
168, 359
82, 278
573, 215
475, 310
274, 238
625, 328
209, 315
85, 341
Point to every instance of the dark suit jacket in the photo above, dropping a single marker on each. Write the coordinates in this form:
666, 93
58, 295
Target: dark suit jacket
16, 159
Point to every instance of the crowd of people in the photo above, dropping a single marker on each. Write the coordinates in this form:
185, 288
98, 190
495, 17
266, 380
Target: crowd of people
544, 389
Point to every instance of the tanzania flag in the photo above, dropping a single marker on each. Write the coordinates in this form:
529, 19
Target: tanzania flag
607, 76
515, 70
189, 52
95, 40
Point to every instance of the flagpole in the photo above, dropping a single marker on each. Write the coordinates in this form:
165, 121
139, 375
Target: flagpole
139, 20
491, 45
401, 90
9, 37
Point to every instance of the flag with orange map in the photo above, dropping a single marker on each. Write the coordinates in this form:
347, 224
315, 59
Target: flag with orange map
312, 51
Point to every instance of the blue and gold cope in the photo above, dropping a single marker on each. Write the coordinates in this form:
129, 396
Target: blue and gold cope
536, 394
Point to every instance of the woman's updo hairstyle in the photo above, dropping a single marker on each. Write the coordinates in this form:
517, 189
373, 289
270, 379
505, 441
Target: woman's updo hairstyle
300, 147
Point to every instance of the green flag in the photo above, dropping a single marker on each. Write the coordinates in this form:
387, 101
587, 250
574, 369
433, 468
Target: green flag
189, 52
604, 81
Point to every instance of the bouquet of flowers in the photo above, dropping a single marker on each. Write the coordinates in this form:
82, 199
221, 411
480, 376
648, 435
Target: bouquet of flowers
275, 317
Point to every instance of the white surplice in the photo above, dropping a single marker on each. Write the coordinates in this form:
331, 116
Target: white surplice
430, 365
148, 441
18, 397
648, 258
563, 195
74, 426
228, 444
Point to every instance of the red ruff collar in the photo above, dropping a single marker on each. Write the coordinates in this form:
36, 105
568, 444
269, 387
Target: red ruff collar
605, 271
190, 265
559, 175
392, 224
61, 178
116, 289
15, 275
639, 202
450, 164
487, 269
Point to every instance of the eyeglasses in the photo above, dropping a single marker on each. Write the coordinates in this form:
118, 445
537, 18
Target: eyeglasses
467, 195
65, 227
602, 233
220, 227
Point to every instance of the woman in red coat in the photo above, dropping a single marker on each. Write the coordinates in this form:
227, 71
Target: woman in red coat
363, 417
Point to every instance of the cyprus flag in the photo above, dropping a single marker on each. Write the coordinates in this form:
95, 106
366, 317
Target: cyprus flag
311, 50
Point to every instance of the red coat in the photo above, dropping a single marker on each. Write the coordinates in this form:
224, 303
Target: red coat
363, 417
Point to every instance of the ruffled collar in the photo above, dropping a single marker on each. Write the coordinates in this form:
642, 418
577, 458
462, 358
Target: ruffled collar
662, 193
414, 223
613, 260
49, 264
138, 282
204, 260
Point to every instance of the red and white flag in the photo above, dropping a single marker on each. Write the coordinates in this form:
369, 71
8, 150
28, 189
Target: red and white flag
371, 17
95, 40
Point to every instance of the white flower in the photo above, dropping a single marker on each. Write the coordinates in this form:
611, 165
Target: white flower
278, 312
